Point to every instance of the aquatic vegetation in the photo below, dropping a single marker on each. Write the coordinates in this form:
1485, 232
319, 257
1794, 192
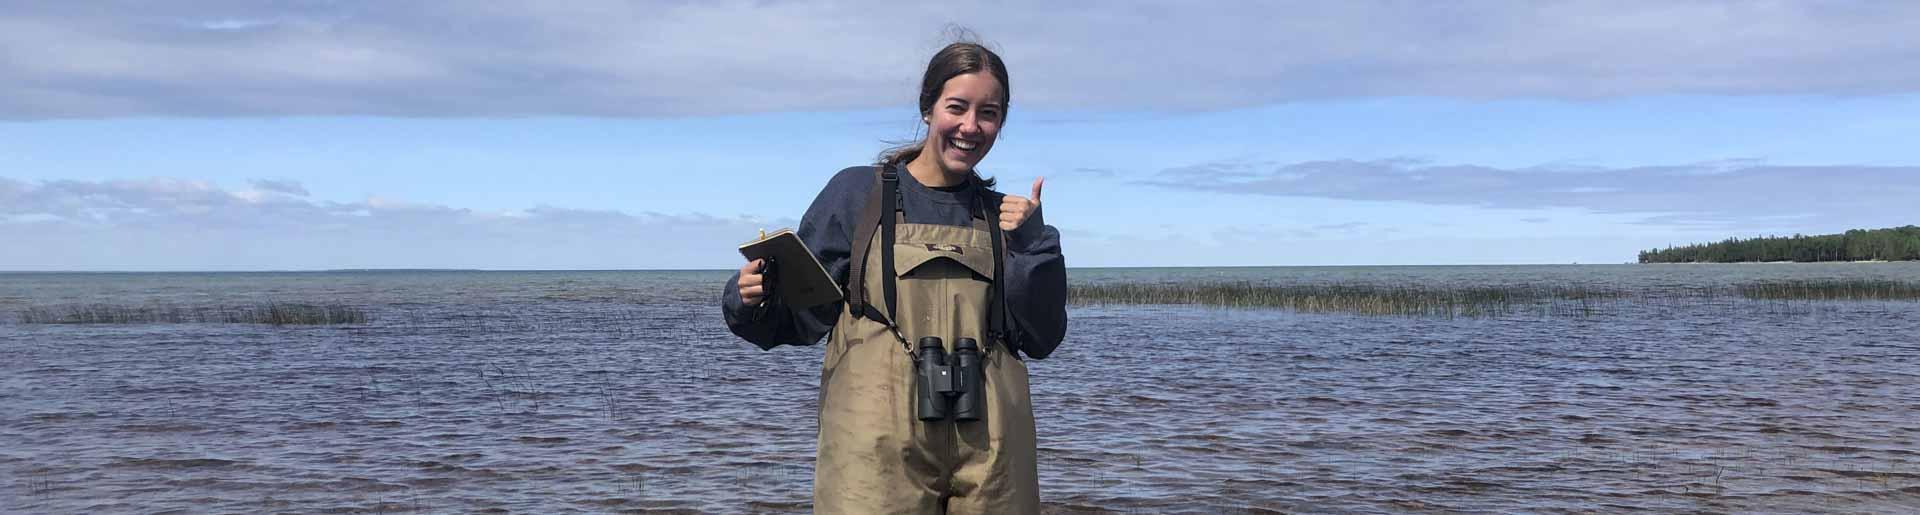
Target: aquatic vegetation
1365, 298
1838, 289
274, 313
1783, 297
1368, 299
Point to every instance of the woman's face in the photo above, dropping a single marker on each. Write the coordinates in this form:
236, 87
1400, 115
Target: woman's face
963, 122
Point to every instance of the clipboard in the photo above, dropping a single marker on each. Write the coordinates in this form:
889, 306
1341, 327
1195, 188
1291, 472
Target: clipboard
797, 278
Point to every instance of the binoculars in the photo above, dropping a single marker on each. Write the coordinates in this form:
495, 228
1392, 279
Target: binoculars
949, 384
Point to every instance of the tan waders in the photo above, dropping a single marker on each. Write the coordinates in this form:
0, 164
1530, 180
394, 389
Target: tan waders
875, 455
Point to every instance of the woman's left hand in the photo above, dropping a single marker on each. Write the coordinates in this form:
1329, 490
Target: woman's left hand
1015, 210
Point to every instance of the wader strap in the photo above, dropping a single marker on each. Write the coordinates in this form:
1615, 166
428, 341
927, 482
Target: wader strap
997, 323
862, 236
882, 211
889, 199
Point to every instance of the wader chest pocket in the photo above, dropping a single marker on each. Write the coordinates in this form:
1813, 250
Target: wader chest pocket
940, 260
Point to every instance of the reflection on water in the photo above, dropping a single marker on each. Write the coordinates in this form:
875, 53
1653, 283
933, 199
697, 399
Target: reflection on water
621, 391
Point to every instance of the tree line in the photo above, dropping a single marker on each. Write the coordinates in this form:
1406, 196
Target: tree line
1894, 244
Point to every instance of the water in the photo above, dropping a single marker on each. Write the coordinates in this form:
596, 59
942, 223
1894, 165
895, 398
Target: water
622, 391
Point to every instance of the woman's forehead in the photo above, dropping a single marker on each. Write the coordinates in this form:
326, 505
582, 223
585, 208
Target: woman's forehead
976, 87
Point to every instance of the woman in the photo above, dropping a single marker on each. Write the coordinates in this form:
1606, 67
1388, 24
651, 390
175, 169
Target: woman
880, 449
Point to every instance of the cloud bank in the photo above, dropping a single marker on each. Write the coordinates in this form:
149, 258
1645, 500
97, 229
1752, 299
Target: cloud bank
1743, 195
171, 224
669, 58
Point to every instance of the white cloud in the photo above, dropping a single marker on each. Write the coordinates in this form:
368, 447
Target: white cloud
1257, 246
1741, 194
619, 58
173, 224
282, 186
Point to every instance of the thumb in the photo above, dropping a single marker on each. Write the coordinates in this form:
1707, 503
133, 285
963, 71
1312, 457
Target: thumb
1036, 188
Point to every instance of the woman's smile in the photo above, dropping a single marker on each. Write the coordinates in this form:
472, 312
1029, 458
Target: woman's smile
964, 151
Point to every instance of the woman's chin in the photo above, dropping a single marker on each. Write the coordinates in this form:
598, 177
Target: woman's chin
959, 166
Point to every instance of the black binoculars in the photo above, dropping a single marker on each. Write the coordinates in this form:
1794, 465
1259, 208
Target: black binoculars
949, 385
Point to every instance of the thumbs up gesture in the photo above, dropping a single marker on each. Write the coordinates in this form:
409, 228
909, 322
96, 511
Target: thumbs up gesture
1014, 210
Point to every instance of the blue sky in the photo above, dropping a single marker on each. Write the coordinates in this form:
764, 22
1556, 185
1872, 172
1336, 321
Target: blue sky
235, 136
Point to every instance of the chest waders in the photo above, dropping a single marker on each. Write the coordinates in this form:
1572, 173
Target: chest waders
875, 454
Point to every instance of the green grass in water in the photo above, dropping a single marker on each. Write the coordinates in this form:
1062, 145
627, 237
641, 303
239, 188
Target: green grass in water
1841, 289
1476, 301
274, 313
1356, 298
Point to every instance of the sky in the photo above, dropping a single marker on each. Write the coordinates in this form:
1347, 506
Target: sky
297, 135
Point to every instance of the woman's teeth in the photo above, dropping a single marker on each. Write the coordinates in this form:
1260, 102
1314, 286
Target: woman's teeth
962, 145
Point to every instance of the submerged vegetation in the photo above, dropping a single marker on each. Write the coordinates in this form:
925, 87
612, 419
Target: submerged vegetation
1895, 244
1477, 301
274, 313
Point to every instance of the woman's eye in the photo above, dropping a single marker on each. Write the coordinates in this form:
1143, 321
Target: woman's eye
956, 109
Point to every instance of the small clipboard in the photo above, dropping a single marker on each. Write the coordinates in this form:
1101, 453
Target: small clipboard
794, 276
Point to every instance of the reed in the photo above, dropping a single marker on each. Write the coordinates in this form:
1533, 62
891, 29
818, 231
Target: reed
1483, 301
1366, 299
1831, 289
272, 313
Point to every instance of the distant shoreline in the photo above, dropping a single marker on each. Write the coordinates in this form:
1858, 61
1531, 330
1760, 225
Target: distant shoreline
1856, 245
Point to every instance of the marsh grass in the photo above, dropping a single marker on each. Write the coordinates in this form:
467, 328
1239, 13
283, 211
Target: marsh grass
1415, 300
1840, 289
1780, 297
272, 313
517, 383
1366, 299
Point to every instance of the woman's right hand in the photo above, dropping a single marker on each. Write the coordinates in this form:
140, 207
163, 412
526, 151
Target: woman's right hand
753, 289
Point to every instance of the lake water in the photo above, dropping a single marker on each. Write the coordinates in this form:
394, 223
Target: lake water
551, 392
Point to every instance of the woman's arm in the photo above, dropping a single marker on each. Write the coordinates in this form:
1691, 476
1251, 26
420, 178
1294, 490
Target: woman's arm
1037, 286
827, 230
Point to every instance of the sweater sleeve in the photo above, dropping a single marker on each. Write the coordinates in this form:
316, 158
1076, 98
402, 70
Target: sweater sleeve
827, 230
1037, 286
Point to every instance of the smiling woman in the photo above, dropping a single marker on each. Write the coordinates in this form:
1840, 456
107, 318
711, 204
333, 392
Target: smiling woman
935, 257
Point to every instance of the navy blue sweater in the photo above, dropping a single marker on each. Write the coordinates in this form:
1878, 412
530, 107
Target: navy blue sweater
1036, 274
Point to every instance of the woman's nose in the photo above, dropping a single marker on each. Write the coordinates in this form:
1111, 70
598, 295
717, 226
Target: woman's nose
970, 124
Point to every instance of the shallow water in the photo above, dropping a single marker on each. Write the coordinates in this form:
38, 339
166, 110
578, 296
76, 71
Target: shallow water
622, 391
